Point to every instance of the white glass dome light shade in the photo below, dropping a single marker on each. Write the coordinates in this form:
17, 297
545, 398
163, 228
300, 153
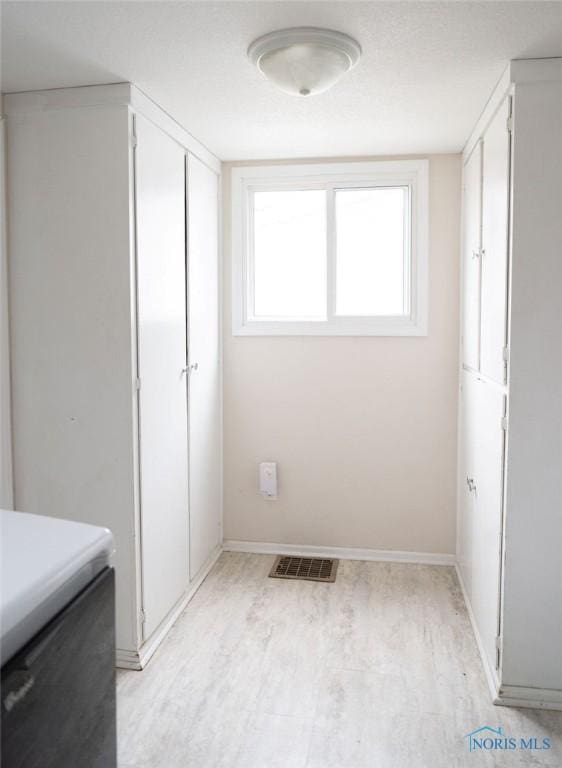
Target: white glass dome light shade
305, 60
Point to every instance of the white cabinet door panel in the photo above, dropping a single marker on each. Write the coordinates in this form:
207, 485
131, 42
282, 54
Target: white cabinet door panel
204, 380
472, 200
161, 297
467, 443
495, 211
487, 531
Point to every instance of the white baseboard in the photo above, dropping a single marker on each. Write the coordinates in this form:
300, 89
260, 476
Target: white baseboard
342, 553
127, 659
139, 659
491, 676
523, 696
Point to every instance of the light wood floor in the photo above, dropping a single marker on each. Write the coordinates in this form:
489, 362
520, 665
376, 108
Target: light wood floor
379, 670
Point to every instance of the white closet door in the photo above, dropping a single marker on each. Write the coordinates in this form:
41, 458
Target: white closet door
472, 199
466, 521
160, 201
204, 381
495, 211
487, 509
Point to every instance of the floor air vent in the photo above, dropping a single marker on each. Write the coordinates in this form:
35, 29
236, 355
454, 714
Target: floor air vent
309, 568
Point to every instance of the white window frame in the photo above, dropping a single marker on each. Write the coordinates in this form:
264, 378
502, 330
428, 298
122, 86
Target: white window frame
412, 174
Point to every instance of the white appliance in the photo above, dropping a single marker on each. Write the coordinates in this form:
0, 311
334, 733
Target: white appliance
57, 614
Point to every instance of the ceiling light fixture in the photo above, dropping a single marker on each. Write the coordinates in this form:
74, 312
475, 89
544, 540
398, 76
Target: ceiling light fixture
305, 60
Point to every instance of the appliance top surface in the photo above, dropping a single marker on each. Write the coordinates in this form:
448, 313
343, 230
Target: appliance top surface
45, 562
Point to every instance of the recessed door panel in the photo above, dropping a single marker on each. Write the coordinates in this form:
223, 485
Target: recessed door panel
495, 212
161, 296
489, 439
467, 442
204, 379
472, 199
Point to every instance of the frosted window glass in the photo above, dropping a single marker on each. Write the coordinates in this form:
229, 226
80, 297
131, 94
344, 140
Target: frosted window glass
370, 251
290, 255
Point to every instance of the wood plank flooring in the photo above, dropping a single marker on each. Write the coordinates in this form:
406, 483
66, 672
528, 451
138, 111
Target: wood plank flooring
378, 670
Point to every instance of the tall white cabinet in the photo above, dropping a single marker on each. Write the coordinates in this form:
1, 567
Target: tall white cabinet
114, 309
510, 421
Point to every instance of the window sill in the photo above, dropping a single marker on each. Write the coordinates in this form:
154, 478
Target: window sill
351, 327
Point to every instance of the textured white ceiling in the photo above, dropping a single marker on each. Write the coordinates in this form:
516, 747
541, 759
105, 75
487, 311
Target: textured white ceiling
426, 71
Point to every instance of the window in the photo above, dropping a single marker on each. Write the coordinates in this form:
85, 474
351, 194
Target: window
289, 255
333, 249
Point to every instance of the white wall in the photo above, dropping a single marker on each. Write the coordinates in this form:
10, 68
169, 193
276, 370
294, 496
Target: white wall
364, 429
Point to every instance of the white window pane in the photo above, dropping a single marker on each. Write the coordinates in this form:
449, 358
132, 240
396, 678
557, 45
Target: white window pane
290, 255
370, 251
